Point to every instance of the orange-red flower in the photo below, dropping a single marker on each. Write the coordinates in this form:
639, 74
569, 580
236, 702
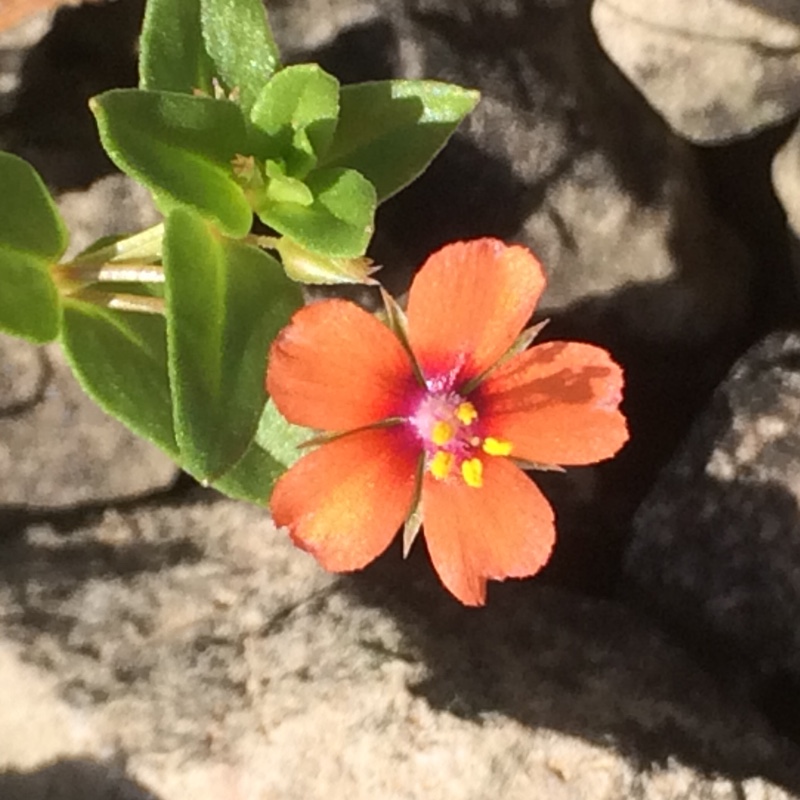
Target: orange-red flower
442, 427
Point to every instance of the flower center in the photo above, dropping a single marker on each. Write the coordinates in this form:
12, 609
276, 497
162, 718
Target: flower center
447, 425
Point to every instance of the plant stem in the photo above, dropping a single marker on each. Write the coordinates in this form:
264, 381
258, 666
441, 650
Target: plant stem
111, 272
122, 302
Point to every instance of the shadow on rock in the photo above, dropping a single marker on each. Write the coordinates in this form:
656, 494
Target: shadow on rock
582, 666
71, 779
87, 51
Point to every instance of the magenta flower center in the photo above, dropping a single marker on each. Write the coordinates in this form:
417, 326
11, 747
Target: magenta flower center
446, 424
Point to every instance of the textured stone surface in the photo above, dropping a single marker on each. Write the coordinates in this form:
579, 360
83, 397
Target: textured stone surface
177, 646
57, 447
218, 660
716, 545
112, 205
715, 70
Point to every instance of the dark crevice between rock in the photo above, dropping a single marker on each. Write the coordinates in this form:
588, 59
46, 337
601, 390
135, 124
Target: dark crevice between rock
43, 378
73, 779
738, 182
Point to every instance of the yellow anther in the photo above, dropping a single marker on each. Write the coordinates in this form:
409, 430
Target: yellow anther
472, 472
442, 433
466, 413
441, 464
497, 447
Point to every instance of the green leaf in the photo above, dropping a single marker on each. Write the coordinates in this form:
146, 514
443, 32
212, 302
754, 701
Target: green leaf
340, 221
226, 301
29, 219
180, 147
173, 54
280, 438
120, 360
239, 40
32, 238
298, 109
391, 130
29, 302
252, 478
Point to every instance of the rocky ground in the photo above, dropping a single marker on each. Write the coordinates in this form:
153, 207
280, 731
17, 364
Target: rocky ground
160, 641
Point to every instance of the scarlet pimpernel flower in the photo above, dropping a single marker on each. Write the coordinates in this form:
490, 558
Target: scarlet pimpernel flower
431, 421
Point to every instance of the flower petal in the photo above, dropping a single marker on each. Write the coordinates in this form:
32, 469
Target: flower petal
504, 529
468, 303
345, 502
335, 367
557, 403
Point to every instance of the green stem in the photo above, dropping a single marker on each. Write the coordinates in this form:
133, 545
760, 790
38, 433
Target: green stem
111, 272
122, 302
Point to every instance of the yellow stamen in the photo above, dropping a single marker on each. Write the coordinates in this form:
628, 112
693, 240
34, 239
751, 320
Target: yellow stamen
466, 413
441, 464
442, 433
497, 447
472, 472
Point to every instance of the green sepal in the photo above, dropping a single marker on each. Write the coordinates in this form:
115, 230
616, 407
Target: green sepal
280, 438
298, 110
391, 130
340, 221
239, 41
120, 359
32, 237
281, 188
173, 55
274, 449
181, 148
226, 301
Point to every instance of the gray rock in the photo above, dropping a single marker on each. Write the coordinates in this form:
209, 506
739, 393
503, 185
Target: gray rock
219, 661
786, 180
112, 205
716, 544
715, 70
24, 374
14, 43
57, 447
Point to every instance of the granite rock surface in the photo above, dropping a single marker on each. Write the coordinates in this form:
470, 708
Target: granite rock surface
158, 641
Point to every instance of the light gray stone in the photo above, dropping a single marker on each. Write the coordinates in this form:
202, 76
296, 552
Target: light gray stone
220, 661
24, 374
715, 70
57, 447
113, 205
